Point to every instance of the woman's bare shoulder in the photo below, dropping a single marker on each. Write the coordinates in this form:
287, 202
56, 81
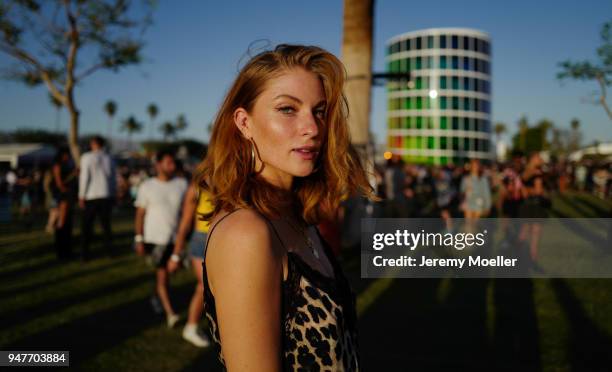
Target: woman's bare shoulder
242, 247
242, 220
239, 232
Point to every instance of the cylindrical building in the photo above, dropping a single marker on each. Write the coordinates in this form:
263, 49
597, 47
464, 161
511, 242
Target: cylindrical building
443, 115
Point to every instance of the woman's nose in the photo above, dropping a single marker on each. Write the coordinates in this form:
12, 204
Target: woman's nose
310, 125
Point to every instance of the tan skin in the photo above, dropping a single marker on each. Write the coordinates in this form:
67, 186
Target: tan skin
190, 204
165, 171
244, 269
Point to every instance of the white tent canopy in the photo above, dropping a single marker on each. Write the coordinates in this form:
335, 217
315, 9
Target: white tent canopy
26, 154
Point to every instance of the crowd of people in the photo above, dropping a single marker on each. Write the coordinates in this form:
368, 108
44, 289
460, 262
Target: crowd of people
520, 187
97, 186
167, 204
517, 188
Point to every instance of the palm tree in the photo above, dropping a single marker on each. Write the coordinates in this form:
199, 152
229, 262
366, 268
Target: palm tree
131, 126
168, 129
181, 123
544, 125
58, 111
357, 57
500, 128
575, 124
111, 109
152, 110
575, 137
523, 125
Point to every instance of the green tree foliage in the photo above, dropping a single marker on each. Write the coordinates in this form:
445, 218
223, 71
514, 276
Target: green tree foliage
532, 138
196, 150
59, 43
110, 108
599, 71
168, 130
36, 136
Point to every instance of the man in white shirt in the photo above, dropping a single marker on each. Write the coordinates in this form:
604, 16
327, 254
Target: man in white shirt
97, 185
158, 206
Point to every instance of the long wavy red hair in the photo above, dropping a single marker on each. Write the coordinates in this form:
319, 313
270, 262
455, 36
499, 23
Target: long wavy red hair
227, 172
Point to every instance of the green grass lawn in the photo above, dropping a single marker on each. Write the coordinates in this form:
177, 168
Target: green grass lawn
100, 311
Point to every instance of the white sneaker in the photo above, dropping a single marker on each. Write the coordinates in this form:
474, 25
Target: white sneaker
191, 334
172, 319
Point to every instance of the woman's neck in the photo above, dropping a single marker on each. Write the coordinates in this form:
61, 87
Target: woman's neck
278, 179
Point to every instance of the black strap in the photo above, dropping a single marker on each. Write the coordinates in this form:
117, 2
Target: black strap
217, 223
213, 229
275, 232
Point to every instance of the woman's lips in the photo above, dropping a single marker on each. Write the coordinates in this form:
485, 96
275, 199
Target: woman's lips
306, 154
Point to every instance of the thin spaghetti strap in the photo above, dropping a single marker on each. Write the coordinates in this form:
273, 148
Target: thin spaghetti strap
275, 232
284, 249
213, 229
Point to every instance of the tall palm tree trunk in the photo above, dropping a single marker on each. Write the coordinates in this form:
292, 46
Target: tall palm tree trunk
357, 58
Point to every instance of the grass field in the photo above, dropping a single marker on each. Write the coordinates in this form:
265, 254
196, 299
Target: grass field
100, 312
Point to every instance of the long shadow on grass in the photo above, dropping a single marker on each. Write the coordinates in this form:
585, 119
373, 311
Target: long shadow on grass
516, 335
46, 263
409, 329
43, 283
589, 346
584, 210
26, 314
402, 330
50, 262
601, 242
206, 361
601, 209
90, 335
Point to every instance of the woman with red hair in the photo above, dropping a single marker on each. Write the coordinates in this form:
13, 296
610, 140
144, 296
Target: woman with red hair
279, 161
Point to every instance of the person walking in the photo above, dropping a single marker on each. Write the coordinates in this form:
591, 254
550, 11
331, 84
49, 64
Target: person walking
158, 206
196, 203
97, 184
64, 190
476, 192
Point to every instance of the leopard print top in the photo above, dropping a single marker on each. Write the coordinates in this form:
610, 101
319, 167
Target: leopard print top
319, 329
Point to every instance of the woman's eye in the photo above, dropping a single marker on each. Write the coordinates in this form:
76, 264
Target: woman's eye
320, 114
286, 110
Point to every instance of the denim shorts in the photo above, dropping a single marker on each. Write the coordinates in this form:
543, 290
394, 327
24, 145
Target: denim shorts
196, 244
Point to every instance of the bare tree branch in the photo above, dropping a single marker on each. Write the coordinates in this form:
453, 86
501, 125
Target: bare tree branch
89, 71
602, 98
44, 74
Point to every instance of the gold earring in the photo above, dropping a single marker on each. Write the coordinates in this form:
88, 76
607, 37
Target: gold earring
254, 155
253, 163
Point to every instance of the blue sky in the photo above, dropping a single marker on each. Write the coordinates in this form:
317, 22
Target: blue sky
194, 47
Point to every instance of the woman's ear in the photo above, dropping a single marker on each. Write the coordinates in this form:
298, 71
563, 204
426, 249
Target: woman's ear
243, 122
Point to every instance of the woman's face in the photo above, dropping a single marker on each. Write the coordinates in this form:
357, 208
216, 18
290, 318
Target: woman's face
474, 166
287, 125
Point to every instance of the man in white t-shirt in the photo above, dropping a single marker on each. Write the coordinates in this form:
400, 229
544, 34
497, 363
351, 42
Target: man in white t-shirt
158, 206
97, 192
